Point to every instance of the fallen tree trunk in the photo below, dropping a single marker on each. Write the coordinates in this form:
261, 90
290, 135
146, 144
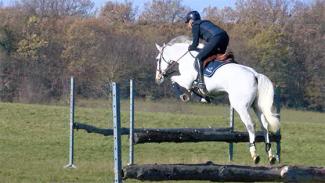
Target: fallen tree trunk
303, 174
179, 135
183, 135
126, 131
224, 173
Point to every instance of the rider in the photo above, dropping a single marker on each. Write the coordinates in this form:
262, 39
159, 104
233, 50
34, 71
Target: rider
216, 42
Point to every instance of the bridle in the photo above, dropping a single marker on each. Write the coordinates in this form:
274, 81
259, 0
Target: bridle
170, 64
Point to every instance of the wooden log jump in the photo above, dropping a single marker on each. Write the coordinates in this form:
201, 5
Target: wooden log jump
139, 131
224, 173
197, 135
179, 135
125, 131
179, 172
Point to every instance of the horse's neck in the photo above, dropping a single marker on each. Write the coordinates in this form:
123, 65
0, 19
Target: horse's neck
186, 60
187, 72
181, 52
179, 49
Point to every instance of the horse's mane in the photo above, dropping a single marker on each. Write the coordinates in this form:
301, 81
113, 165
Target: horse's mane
180, 39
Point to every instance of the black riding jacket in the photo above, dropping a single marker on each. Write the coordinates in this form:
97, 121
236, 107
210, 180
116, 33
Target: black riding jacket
205, 30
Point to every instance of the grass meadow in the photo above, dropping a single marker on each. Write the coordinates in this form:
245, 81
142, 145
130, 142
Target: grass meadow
34, 139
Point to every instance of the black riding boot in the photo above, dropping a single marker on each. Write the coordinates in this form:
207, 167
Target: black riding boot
200, 78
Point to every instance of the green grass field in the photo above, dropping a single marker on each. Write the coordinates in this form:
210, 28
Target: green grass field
34, 140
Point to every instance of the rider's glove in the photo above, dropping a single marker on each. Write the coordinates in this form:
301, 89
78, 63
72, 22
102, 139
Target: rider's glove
191, 48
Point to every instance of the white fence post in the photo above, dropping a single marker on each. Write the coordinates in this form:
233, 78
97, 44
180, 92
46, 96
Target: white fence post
131, 145
71, 138
232, 125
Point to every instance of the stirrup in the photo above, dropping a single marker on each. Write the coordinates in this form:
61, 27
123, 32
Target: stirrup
196, 95
203, 91
200, 88
201, 85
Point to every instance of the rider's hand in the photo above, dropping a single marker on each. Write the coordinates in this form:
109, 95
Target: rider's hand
191, 48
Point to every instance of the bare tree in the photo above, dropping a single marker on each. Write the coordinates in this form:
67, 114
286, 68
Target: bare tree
225, 15
118, 12
167, 11
264, 11
307, 58
58, 7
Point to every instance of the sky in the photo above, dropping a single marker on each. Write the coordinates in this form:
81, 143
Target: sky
198, 5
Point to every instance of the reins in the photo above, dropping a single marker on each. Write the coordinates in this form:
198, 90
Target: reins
171, 63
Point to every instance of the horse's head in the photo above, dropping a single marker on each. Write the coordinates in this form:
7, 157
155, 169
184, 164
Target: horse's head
163, 62
169, 56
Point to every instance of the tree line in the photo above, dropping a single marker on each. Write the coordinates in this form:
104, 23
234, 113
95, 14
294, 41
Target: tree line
44, 42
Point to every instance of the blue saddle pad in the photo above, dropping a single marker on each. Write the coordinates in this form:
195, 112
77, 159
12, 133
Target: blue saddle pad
211, 68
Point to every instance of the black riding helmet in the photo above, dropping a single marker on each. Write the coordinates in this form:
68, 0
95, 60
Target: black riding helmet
193, 15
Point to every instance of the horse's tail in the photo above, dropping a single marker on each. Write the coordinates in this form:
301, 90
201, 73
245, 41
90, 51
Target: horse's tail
265, 96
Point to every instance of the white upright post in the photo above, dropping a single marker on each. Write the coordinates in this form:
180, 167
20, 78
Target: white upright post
131, 145
71, 138
117, 134
232, 125
277, 101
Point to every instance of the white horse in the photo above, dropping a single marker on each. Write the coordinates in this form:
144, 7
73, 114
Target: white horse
245, 87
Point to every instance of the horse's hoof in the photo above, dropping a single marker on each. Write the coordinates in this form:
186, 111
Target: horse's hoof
256, 159
272, 160
185, 97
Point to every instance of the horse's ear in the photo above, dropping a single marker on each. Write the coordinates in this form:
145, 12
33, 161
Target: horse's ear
159, 48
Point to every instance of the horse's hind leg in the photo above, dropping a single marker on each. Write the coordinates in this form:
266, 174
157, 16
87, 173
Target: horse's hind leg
246, 118
264, 127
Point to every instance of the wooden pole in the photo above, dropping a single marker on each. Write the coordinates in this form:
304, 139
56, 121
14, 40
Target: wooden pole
224, 173
180, 135
217, 135
125, 131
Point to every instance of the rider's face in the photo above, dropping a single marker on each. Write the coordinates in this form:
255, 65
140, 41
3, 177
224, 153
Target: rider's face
189, 24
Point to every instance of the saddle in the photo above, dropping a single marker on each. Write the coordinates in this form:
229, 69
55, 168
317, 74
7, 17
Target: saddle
223, 57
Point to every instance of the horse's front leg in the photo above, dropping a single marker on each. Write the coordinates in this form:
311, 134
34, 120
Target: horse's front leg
182, 81
181, 87
181, 92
